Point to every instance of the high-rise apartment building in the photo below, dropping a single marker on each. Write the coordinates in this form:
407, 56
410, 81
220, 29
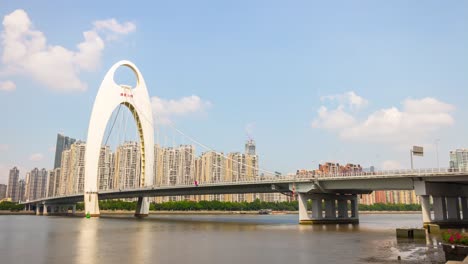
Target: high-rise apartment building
106, 169
63, 143
390, 197
57, 176
12, 188
250, 148
459, 159
240, 167
174, 165
51, 183
186, 164
22, 190
37, 184
127, 166
65, 172
3, 191
158, 165
211, 168
28, 186
78, 150
72, 169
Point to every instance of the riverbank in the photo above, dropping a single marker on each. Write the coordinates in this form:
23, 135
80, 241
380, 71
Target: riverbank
8, 212
204, 212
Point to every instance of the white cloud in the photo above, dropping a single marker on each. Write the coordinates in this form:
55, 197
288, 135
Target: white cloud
391, 165
26, 53
113, 29
416, 121
350, 99
7, 86
164, 110
333, 119
36, 157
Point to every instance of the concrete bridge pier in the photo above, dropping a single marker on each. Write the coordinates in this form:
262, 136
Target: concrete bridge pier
342, 208
74, 209
142, 209
464, 208
440, 208
426, 208
317, 217
453, 208
44, 210
449, 202
38, 209
330, 208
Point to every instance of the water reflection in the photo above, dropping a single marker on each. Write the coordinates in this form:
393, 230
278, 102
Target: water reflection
209, 239
87, 246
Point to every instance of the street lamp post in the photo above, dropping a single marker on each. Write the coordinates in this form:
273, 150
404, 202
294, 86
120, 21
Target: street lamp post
437, 152
411, 156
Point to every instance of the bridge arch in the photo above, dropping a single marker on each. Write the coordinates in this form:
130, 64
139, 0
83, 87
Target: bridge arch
110, 95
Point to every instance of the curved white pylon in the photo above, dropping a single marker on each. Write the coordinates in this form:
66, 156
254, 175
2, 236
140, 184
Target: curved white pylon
110, 96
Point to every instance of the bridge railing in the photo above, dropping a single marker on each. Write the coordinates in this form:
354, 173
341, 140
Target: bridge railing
297, 178
384, 173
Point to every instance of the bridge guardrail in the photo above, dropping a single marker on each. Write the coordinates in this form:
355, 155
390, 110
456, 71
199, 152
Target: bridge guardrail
292, 178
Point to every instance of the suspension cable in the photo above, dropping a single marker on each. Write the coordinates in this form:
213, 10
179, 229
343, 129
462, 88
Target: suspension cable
196, 141
113, 123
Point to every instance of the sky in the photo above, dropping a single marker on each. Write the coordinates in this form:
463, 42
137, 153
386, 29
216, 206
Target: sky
309, 81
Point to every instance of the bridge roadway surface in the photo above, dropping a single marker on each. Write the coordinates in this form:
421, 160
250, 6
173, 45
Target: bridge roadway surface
360, 183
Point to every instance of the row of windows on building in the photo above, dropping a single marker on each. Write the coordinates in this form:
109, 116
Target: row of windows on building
122, 170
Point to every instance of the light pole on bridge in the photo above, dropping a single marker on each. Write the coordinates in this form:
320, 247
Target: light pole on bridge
437, 151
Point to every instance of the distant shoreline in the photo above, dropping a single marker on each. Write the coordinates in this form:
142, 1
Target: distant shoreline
204, 212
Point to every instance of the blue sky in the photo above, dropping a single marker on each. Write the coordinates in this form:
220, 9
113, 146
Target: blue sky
310, 81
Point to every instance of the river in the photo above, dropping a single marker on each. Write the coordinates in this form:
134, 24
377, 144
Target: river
206, 239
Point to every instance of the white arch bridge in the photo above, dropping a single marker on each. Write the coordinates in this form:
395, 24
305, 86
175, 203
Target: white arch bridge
449, 189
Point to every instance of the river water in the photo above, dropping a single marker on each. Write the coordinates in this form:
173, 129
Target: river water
206, 239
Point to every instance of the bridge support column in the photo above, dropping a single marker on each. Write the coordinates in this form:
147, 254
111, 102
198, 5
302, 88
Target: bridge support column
440, 209
426, 209
38, 209
304, 217
453, 208
44, 210
91, 202
355, 206
317, 209
74, 209
142, 209
342, 208
330, 208
464, 208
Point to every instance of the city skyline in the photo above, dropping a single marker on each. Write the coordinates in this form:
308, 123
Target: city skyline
327, 97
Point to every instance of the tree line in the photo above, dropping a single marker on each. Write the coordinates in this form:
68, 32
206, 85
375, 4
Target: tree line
11, 206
